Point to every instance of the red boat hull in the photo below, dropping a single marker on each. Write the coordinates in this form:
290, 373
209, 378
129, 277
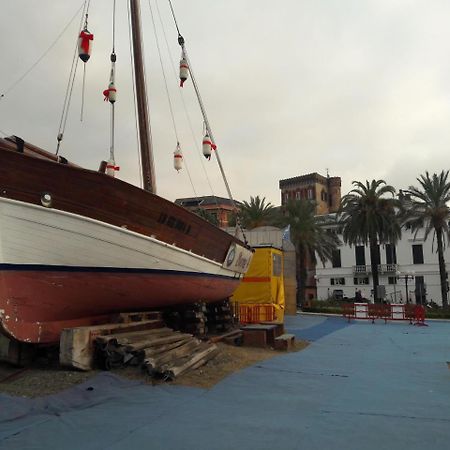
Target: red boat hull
88, 297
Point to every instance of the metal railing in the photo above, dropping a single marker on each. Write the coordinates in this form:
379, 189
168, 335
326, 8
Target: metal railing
382, 268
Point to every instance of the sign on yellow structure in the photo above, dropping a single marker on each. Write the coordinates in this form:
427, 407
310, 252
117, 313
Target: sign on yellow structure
263, 284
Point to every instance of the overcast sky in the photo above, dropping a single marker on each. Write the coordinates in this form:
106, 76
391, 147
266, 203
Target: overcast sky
358, 87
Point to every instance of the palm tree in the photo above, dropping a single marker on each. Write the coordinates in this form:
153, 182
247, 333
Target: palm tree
256, 213
368, 217
310, 238
428, 209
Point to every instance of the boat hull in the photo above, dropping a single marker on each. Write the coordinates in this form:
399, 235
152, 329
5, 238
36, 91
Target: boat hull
40, 303
75, 262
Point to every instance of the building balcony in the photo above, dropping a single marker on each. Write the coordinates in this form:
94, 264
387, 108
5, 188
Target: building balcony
382, 268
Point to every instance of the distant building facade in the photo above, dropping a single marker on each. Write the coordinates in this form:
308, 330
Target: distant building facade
219, 208
350, 271
324, 191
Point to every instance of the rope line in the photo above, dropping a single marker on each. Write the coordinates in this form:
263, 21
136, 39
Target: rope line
112, 80
174, 18
84, 67
181, 41
114, 27
172, 114
69, 88
82, 92
28, 71
164, 73
180, 91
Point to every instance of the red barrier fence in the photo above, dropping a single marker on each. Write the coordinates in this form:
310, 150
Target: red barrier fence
256, 313
414, 313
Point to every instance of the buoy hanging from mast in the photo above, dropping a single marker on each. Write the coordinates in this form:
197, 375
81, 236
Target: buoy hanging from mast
184, 54
85, 40
207, 146
184, 69
111, 96
178, 158
66, 105
85, 43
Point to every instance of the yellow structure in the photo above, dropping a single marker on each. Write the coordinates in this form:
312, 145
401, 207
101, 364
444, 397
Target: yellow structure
262, 288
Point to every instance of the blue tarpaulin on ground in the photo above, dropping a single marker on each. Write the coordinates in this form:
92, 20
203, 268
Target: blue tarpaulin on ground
364, 386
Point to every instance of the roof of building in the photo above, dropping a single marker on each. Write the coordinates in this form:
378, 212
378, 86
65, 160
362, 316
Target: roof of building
310, 177
204, 201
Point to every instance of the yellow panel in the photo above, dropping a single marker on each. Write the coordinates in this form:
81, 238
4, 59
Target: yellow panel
260, 285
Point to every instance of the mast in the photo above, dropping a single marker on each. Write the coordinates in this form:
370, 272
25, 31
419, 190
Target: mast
145, 139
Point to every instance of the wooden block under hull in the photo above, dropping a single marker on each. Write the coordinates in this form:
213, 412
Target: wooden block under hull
77, 344
14, 352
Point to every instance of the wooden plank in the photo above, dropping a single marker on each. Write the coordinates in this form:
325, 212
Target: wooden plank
14, 352
77, 344
172, 372
234, 333
156, 364
133, 336
151, 342
128, 317
156, 350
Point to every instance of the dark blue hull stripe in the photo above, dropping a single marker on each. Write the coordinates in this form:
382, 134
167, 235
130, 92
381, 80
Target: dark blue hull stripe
121, 270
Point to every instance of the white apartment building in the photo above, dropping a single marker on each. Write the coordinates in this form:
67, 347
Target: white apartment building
410, 268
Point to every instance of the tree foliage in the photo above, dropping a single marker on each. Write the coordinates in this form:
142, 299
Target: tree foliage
257, 213
309, 236
426, 206
368, 215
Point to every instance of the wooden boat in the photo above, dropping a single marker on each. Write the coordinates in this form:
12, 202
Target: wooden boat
77, 245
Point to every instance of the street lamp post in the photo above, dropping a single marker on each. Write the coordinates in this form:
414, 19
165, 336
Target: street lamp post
408, 275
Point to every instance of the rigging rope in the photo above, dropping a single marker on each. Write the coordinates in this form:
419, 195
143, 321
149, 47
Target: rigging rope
180, 91
30, 69
168, 94
181, 42
110, 95
69, 89
82, 93
84, 66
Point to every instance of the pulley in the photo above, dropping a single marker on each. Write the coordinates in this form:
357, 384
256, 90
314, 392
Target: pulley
178, 159
85, 45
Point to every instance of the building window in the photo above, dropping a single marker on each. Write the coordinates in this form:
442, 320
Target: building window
360, 257
421, 290
337, 281
336, 258
297, 195
417, 251
376, 255
310, 194
360, 280
391, 254
392, 280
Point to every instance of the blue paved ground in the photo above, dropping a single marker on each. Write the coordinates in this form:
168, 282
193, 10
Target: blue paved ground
357, 386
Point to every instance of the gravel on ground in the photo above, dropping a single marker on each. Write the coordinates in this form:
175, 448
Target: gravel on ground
46, 377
